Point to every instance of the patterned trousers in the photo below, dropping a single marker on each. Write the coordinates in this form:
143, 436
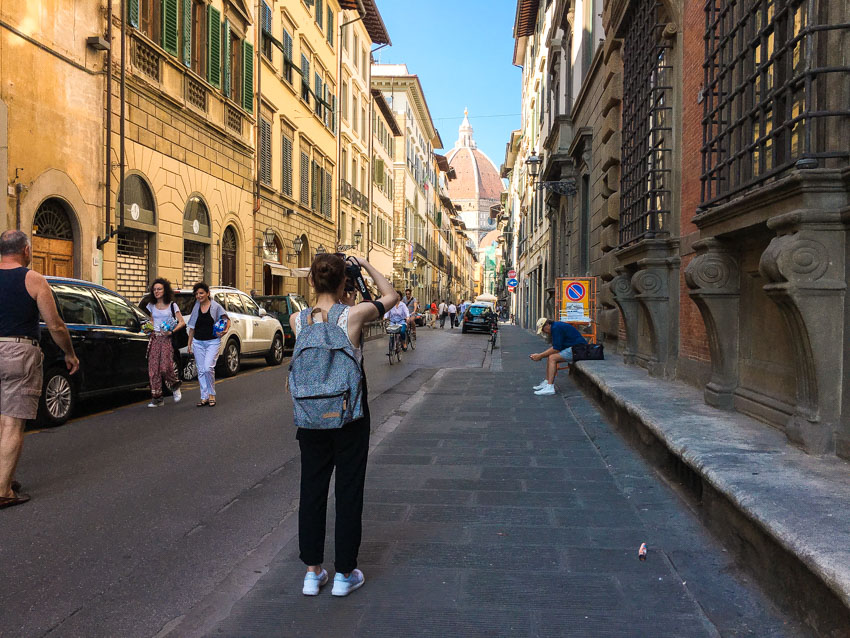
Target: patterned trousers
161, 364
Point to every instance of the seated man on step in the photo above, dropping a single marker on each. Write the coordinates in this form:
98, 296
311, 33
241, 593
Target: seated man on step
564, 337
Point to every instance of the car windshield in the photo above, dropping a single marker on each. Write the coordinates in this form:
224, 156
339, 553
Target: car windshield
185, 301
477, 310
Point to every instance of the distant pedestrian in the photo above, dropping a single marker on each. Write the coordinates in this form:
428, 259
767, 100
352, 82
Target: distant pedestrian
444, 312
205, 340
564, 337
452, 310
342, 446
433, 314
166, 320
24, 294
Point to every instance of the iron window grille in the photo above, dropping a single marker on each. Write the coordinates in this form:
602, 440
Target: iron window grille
775, 91
647, 124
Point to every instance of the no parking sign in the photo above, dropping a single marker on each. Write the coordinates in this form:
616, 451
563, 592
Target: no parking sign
575, 300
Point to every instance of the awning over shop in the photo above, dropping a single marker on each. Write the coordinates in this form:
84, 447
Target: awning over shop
277, 269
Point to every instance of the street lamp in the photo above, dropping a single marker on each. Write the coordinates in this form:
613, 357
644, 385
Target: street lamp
297, 245
358, 236
533, 162
321, 250
562, 187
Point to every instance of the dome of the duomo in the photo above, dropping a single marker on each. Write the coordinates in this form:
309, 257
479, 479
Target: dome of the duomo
477, 176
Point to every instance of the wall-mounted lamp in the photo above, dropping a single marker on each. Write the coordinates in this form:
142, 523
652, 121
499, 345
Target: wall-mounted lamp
358, 237
297, 245
562, 187
266, 242
321, 250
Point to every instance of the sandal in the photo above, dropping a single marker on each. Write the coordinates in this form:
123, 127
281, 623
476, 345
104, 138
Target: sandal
212, 402
202, 403
17, 499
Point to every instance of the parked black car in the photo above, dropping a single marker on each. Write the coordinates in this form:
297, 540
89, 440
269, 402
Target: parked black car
478, 317
282, 307
106, 332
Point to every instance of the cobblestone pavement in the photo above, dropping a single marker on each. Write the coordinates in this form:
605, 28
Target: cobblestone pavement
493, 512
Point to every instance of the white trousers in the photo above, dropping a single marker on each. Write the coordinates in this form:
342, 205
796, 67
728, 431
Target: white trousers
206, 354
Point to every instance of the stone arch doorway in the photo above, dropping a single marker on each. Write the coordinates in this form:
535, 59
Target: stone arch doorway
196, 242
135, 260
304, 261
53, 239
229, 252
273, 268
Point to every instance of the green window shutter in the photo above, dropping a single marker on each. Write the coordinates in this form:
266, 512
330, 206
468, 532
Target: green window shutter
330, 27
287, 56
170, 17
133, 13
187, 32
319, 13
227, 56
286, 165
214, 46
248, 76
265, 151
304, 174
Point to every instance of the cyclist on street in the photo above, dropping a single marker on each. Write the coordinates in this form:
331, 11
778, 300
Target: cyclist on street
412, 307
398, 316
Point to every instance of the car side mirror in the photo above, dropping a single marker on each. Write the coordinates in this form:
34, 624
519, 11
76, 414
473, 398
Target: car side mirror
263, 312
133, 324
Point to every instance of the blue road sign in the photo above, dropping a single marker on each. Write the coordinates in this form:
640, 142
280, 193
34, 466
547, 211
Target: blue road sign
513, 282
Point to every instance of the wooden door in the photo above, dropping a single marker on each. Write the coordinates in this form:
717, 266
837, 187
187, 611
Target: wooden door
53, 256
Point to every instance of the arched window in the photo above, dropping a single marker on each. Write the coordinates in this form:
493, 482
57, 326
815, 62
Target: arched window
196, 241
228, 257
53, 239
134, 268
52, 221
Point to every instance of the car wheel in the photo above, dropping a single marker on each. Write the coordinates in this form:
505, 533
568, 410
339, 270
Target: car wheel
275, 355
58, 398
231, 358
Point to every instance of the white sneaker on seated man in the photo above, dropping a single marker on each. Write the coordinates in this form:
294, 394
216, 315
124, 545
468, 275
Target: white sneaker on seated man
564, 337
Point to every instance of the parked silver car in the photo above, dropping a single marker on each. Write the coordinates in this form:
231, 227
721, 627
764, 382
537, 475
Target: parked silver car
253, 332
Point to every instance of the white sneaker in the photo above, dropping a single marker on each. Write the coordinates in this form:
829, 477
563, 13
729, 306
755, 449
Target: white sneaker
546, 390
541, 385
155, 403
177, 395
344, 586
313, 582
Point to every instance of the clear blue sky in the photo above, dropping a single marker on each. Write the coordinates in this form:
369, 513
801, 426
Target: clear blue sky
462, 52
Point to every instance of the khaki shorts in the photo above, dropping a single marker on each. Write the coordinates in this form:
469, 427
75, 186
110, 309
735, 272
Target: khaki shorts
20, 379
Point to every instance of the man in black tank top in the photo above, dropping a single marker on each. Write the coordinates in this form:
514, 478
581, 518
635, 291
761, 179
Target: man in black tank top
23, 295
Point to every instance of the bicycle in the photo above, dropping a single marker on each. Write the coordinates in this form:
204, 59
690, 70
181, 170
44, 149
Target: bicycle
494, 333
411, 334
394, 331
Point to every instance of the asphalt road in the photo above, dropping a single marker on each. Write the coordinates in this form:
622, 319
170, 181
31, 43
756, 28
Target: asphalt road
137, 514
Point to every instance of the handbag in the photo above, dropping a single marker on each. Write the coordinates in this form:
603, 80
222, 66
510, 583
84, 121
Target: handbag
588, 352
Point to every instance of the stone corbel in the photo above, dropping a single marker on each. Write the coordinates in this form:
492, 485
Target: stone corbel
650, 284
805, 267
624, 297
715, 282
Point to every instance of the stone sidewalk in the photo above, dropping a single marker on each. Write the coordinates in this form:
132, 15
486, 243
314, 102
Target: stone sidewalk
786, 512
492, 512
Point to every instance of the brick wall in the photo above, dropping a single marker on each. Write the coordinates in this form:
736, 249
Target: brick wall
693, 342
133, 265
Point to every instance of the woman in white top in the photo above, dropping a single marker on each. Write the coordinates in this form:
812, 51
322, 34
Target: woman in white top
342, 449
167, 320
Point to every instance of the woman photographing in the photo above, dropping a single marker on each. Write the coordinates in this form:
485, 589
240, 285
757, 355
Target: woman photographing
205, 339
166, 319
335, 445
